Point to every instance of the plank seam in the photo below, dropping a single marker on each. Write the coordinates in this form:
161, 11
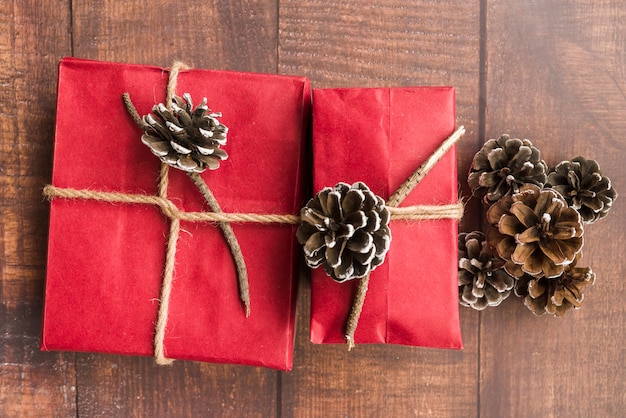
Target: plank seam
482, 121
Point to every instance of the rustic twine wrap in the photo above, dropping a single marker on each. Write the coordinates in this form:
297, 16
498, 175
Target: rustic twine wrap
229, 234
454, 211
171, 211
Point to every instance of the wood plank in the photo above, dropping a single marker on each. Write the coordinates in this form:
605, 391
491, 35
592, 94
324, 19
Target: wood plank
372, 44
31, 382
119, 386
238, 35
380, 380
557, 75
235, 35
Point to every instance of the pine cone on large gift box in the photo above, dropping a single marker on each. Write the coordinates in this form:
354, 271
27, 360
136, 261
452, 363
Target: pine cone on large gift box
184, 137
535, 231
346, 230
583, 186
555, 295
503, 165
482, 281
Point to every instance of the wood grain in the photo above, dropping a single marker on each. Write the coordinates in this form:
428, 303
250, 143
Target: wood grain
236, 35
380, 380
551, 71
233, 35
136, 387
557, 75
33, 35
374, 44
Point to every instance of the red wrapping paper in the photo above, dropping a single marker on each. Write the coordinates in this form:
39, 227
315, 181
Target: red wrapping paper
106, 261
380, 137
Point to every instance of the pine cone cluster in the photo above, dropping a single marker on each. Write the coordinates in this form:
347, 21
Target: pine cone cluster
482, 281
184, 137
345, 229
536, 224
583, 186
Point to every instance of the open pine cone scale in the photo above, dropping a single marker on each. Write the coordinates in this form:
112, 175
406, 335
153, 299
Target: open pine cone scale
557, 295
583, 186
535, 232
482, 281
503, 165
185, 137
345, 230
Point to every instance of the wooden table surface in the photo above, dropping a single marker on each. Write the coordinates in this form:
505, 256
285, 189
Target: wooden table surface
552, 71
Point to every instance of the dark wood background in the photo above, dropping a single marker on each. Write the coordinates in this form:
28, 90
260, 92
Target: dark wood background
552, 71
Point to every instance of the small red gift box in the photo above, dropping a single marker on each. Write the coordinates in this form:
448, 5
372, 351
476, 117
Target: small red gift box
380, 137
106, 260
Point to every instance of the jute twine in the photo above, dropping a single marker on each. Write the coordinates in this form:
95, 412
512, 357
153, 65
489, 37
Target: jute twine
392, 203
175, 215
169, 209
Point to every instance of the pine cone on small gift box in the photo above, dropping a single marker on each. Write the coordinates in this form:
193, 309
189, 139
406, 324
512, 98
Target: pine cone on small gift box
482, 281
346, 230
583, 186
535, 231
184, 137
503, 165
555, 295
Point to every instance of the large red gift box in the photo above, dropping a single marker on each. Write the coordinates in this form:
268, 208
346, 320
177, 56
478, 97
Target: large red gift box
106, 260
380, 137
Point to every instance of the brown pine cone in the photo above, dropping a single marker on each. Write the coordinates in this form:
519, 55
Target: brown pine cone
535, 232
482, 280
184, 137
557, 295
581, 183
346, 230
503, 165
